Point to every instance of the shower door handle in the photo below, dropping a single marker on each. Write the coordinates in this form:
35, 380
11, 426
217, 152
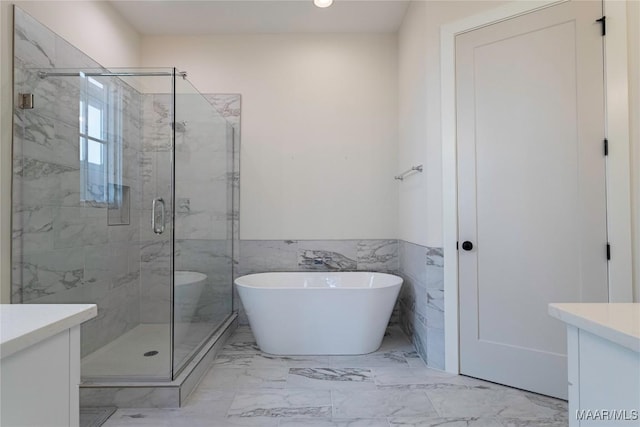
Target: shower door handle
157, 215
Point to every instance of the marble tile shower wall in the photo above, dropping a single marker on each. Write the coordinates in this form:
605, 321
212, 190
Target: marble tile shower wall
229, 107
63, 250
421, 300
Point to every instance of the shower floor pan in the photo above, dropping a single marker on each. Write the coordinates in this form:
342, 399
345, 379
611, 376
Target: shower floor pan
143, 352
119, 374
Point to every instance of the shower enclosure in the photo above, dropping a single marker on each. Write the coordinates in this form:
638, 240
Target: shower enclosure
122, 196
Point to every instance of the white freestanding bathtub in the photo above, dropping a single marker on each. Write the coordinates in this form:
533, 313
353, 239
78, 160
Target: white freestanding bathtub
318, 313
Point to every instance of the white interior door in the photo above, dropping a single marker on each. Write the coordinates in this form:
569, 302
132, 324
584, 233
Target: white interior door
531, 173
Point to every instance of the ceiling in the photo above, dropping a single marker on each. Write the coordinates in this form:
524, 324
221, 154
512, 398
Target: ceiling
182, 17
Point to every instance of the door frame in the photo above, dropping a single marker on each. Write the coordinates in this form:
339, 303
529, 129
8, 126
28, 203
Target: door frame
618, 173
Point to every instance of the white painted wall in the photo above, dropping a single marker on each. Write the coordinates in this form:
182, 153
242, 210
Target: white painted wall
633, 25
319, 127
92, 26
419, 220
420, 197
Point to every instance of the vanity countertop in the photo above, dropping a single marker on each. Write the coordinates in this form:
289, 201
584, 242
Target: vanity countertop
23, 325
616, 322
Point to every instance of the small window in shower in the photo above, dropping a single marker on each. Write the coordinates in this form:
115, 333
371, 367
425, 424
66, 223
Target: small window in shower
100, 141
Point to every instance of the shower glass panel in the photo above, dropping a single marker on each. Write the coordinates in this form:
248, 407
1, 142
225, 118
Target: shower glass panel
203, 221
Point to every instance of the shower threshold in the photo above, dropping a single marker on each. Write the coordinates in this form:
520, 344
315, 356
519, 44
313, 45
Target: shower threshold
120, 375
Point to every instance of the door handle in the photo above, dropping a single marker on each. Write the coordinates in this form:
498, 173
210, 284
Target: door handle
157, 215
467, 245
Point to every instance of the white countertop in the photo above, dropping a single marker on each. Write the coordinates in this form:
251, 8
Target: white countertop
23, 325
616, 322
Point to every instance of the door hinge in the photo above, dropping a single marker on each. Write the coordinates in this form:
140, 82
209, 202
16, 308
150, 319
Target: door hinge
603, 23
608, 252
606, 147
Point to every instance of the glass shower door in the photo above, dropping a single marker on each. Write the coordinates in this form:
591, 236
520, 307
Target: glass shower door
156, 223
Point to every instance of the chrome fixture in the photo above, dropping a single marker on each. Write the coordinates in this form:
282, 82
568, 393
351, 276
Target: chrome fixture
157, 216
408, 172
179, 126
45, 74
25, 101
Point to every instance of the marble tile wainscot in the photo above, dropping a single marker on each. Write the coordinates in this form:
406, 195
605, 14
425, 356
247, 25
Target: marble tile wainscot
421, 300
260, 256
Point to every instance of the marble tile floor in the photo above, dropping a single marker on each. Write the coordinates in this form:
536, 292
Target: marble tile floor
389, 388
